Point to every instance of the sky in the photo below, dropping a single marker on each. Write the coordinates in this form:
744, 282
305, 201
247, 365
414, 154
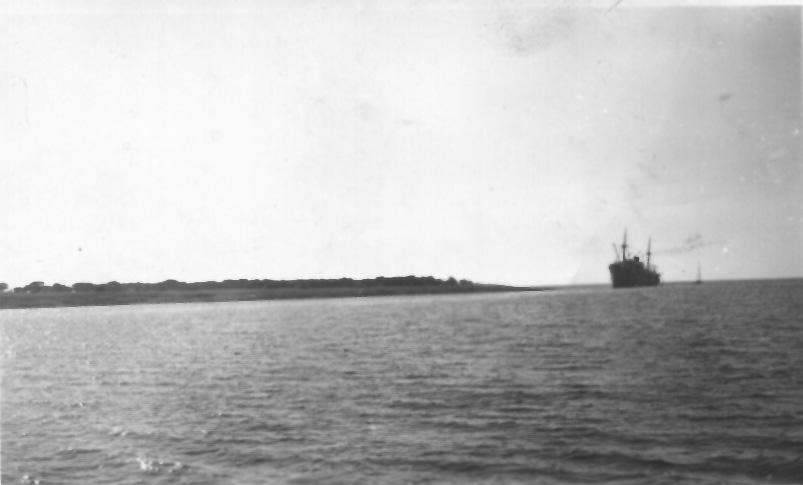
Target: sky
498, 141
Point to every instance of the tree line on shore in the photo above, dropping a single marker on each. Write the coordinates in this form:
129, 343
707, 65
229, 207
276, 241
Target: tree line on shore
239, 284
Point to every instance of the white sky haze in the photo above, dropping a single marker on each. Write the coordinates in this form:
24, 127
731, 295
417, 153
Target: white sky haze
493, 141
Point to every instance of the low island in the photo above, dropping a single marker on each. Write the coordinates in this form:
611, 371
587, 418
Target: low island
39, 295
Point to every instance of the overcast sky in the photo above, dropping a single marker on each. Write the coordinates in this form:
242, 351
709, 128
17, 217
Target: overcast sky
493, 141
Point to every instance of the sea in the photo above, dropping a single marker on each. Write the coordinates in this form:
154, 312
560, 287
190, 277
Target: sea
682, 383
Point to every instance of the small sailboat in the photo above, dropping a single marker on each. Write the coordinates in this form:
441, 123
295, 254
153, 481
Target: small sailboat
699, 280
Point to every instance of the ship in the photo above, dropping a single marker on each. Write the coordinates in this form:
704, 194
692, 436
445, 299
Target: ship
627, 272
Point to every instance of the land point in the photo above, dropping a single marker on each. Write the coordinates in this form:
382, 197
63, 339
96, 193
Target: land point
39, 295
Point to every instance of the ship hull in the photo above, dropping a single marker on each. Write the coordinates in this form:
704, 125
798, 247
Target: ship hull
629, 274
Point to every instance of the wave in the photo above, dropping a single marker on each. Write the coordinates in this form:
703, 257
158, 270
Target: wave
154, 466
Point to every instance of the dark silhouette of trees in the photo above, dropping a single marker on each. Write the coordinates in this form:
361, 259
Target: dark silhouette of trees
83, 287
111, 286
409, 281
35, 287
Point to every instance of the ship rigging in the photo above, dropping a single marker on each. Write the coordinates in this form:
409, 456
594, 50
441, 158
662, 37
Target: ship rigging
627, 272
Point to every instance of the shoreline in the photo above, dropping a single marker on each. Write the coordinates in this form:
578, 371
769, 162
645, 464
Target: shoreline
9, 301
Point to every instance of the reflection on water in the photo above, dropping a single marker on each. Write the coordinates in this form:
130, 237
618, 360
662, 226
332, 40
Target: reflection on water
694, 384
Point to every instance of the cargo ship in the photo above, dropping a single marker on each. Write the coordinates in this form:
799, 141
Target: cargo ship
627, 272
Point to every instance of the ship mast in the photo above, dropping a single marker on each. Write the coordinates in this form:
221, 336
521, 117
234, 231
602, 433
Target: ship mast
649, 253
624, 247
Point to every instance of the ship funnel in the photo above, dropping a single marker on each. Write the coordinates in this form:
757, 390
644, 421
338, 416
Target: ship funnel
624, 247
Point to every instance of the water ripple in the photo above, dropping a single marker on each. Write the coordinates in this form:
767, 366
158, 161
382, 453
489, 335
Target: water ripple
665, 385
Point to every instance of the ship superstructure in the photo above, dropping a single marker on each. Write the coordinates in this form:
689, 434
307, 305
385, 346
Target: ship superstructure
627, 272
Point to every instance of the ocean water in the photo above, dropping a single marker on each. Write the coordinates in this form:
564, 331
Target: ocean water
675, 384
